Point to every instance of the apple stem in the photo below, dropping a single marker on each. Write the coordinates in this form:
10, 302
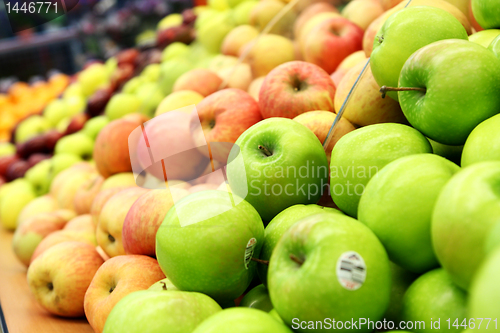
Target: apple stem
260, 261
163, 285
265, 150
385, 89
296, 259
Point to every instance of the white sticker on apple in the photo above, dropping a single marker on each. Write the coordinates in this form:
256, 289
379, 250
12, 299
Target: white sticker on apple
249, 251
351, 270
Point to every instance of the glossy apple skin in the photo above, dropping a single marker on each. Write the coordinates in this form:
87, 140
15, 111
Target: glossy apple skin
241, 320
466, 211
495, 46
405, 32
366, 105
257, 298
281, 223
267, 178
69, 268
332, 41
406, 234
487, 13
173, 311
218, 238
434, 295
483, 143
485, 290
312, 290
360, 154
451, 107
116, 278
484, 37
294, 88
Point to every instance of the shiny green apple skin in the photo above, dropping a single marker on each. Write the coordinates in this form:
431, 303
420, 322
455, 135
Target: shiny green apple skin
434, 296
486, 13
466, 210
451, 107
413, 182
242, 320
279, 224
213, 235
405, 32
484, 37
157, 312
360, 154
483, 143
78, 144
93, 126
304, 272
495, 46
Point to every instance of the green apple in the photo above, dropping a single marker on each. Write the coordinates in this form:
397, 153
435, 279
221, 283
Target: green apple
413, 182
177, 100
122, 104
432, 300
78, 144
151, 73
62, 125
111, 65
241, 13
56, 111
241, 320
483, 143
223, 233
277, 227
275, 168
75, 105
132, 85
360, 154
6, 149
39, 205
452, 153
485, 293
151, 96
220, 5
174, 51
493, 239
467, 209
235, 3
38, 176
329, 266
486, 13
495, 46
92, 78
31, 127
163, 285
450, 107
401, 279
16, 196
273, 313
169, 21
175, 312
93, 126
403, 33
257, 298
171, 70
61, 162
211, 34
484, 37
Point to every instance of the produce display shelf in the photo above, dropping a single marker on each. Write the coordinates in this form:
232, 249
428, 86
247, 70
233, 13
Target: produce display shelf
21, 311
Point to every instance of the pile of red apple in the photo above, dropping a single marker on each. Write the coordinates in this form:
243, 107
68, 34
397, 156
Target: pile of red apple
209, 193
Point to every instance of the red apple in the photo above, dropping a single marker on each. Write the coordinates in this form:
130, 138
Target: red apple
16, 170
145, 217
332, 41
127, 56
294, 88
61, 236
320, 122
6, 161
111, 219
309, 12
100, 200
111, 149
60, 277
203, 81
224, 116
116, 278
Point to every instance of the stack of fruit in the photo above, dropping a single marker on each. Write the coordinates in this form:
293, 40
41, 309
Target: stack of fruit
253, 225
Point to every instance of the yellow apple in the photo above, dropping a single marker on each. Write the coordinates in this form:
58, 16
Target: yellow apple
177, 100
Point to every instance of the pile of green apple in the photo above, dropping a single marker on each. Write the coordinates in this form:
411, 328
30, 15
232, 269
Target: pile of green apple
199, 197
